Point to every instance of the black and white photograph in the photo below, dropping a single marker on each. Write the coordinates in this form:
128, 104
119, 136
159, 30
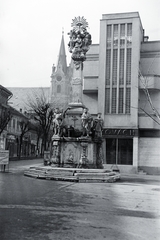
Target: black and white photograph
79, 120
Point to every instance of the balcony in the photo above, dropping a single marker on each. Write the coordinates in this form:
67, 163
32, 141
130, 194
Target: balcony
90, 84
146, 122
151, 82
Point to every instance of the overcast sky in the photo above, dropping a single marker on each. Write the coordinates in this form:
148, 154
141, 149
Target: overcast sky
31, 32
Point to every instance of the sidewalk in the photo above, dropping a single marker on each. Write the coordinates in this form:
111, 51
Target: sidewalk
140, 177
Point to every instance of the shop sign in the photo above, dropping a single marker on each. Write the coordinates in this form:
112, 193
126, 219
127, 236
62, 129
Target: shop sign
4, 157
120, 132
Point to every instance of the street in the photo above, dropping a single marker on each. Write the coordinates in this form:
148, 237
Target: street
54, 210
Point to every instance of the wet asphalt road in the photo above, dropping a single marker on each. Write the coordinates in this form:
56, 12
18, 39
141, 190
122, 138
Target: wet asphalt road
51, 210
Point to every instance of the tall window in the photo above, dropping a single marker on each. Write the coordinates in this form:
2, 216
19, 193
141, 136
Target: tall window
114, 75
109, 31
107, 104
14, 123
115, 35
118, 68
129, 34
128, 101
128, 68
18, 125
120, 107
114, 99
122, 35
121, 67
108, 67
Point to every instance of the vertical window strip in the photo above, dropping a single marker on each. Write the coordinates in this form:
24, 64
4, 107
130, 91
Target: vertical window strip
109, 29
122, 35
129, 29
14, 123
128, 100
121, 67
129, 34
18, 125
9, 123
128, 66
109, 34
125, 71
120, 108
108, 66
114, 98
124, 75
118, 68
111, 79
114, 75
107, 100
115, 35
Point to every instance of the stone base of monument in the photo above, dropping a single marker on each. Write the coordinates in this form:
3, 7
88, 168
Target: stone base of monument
82, 152
73, 174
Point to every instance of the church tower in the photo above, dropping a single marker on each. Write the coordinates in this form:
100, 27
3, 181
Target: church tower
60, 80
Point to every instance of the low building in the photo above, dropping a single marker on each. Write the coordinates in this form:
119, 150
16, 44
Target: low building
5, 116
10, 128
28, 142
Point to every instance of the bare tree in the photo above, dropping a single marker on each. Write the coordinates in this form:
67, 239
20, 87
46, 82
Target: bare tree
43, 114
25, 127
39, 132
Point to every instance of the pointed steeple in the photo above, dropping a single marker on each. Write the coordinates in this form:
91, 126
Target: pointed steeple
62, 55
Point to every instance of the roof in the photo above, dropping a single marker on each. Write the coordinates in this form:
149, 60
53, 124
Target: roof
62, 56
7, 92
21, 96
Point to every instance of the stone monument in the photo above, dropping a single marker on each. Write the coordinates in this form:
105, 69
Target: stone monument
77, 137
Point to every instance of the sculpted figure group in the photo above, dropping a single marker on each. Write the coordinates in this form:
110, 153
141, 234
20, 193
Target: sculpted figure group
79, 43
90, 127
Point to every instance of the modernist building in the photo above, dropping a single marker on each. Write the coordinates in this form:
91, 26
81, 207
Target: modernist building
122, 81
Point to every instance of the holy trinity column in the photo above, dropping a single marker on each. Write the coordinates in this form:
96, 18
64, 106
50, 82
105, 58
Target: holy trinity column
79, 43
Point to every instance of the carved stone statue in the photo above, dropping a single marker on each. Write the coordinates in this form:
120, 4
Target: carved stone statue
86, 122
57, 121
98, 125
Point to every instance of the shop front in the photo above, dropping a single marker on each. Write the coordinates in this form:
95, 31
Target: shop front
121, 149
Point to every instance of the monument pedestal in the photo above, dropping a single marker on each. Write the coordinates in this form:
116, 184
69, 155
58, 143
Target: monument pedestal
80, 152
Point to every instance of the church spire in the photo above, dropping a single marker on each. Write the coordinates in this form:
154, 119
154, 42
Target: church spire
62, 55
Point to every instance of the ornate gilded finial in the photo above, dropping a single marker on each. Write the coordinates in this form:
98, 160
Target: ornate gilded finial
79, 23
80, 40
